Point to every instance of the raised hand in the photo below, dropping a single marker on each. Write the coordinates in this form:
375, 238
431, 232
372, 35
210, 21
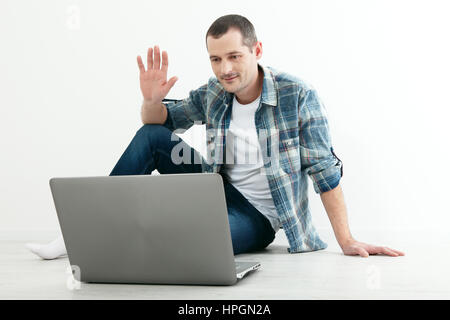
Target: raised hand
153, 81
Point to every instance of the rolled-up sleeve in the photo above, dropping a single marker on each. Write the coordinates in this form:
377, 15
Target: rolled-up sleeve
182, 114
318, 159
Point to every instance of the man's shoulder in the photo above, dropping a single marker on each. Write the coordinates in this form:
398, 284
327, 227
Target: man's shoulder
285, 80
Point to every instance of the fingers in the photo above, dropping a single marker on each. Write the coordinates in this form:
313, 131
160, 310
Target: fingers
394, 253
362, 252
399, 253
171, 82
140, 64
154, 60
150, 59
388, 251
165, 61
365, 250
157, 58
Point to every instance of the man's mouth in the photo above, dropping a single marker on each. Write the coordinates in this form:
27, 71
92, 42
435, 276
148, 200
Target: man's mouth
230, 79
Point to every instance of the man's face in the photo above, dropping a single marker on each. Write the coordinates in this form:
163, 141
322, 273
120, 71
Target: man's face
232, 62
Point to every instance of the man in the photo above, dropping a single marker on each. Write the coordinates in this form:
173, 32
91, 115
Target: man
248, 109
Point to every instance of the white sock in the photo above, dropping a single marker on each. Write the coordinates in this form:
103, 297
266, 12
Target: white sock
51, 250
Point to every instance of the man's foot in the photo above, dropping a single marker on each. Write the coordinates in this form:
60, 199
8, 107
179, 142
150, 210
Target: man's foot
49, 251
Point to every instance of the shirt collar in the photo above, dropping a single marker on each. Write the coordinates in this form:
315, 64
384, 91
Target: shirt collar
269, 93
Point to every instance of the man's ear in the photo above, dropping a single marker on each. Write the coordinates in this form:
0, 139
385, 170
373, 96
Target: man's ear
258, 50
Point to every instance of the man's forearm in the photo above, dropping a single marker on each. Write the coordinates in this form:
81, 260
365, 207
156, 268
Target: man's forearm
333, 201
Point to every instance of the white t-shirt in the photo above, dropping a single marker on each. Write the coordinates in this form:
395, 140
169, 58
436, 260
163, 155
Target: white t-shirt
244, 161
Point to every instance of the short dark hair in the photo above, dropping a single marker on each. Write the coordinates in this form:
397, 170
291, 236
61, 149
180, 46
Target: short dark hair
224, 23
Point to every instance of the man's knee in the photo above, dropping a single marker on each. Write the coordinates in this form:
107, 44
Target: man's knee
153, 132
153, 128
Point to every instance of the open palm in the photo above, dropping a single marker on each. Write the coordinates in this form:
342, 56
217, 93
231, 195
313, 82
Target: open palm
153, 81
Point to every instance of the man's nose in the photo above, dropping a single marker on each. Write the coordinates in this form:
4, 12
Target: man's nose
226, 68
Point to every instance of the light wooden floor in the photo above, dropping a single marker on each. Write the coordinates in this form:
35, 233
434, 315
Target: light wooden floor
327, 274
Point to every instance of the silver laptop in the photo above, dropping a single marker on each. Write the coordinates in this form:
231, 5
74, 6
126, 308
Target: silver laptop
154, 229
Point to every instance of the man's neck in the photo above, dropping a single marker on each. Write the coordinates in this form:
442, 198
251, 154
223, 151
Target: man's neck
254, 91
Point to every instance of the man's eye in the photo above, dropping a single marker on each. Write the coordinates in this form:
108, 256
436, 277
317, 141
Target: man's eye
234, 57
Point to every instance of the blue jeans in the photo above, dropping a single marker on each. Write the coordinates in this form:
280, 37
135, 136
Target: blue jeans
151, 148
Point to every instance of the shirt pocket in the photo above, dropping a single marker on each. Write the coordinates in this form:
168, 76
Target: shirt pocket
290, 155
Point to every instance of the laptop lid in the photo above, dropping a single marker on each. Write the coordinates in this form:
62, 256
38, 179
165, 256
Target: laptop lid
160, 229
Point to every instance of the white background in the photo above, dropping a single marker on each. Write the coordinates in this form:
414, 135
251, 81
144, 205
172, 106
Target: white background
70, 97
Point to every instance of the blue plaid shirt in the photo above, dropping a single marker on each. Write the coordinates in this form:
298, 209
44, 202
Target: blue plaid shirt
294, 135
